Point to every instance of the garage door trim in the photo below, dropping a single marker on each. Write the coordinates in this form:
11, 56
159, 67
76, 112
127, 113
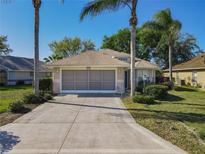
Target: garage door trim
88, 91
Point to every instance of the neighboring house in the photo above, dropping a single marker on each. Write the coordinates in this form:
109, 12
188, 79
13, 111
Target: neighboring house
14, 70
105, 71
191, 72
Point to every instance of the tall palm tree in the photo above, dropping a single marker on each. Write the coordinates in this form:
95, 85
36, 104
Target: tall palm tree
96, 7
37, 5
169, 28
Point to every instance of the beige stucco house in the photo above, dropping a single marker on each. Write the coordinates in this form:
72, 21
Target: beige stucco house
191, 72
105, 71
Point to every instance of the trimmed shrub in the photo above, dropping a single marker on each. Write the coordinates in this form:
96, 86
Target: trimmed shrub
16, 107
156, 91
46, 85
33, 99
144, 99
47, 96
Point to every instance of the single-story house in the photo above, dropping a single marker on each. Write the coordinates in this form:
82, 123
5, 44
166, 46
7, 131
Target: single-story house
191, 72
14, 70
104, 71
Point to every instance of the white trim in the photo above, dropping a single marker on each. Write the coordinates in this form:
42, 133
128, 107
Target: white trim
185, 69
99, 66
88, 91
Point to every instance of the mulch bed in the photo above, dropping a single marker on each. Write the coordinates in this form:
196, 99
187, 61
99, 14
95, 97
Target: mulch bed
9, 117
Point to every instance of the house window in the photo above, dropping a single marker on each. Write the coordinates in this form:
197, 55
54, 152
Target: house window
194, 76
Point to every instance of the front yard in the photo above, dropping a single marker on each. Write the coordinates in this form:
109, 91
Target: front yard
8, 95
179, 119
11, 93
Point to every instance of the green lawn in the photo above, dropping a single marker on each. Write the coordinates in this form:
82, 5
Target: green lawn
11, 93
179, 119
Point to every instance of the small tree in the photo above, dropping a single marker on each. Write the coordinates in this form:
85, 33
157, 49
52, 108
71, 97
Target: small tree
4, 47
69, 47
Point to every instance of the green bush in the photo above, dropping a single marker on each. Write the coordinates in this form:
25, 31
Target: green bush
156, 91
47, 96
16, 107
143, 99
46, 85
33, 99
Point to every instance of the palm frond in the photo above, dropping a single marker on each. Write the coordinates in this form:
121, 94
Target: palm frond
164, 17
95, 7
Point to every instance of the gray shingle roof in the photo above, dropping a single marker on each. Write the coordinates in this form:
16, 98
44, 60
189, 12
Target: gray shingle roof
19, 63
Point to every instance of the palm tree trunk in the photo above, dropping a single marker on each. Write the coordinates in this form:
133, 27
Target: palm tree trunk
170, 62
36, 4
133, 23
132, 67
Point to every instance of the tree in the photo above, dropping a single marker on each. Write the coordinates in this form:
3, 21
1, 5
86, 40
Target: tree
168, 46
87, 45
184, 49
69, 47
121, 42
4, 47
96, 7
37, 5
169, 28
51, 58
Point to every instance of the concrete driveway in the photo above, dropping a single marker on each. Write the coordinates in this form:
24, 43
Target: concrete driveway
81, 124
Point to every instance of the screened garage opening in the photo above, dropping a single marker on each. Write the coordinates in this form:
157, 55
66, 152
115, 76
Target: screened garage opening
94, 80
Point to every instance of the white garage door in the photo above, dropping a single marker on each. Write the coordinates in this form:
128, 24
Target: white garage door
88, 80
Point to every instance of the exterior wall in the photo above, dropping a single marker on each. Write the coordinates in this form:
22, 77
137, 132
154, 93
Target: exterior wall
120, 85
141, 74
120, 80
26, 76
20, 75
56, 81
201, 78
187, 76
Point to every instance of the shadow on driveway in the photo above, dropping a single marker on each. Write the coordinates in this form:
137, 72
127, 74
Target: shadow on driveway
189, 117
7, 141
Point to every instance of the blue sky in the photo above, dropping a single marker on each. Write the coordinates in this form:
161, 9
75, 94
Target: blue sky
59, 20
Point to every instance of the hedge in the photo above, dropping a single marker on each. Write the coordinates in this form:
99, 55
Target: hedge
156, 91
46, 85
143, 99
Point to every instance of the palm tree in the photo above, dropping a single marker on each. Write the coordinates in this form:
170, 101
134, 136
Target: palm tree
37, 5
52, 58
95, 7
165, 24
